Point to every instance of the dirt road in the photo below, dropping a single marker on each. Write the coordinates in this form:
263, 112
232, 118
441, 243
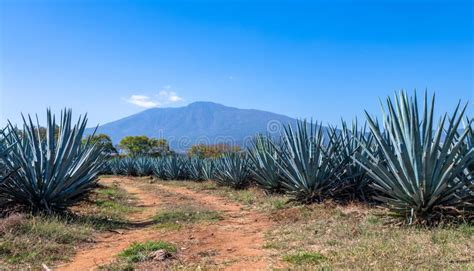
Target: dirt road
233, 243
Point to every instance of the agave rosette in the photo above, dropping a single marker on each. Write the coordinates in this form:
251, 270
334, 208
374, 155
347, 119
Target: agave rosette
263, 155
310, 166
420, 174
233, 169
355, 179
143, 166
53, 172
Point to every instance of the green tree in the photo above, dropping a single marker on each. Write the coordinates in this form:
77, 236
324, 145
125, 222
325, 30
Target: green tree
142, 145
159, 147
103, 140
211, 151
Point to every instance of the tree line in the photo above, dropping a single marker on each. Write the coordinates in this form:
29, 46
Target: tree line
156, 147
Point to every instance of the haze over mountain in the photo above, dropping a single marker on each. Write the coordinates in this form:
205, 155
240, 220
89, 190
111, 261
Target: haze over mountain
199, 122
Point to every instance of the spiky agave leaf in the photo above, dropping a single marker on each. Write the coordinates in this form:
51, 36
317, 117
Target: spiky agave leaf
143, 166
310, 166
5, 170
469, 171
208, 169
233, 169
127, 166
195, 168
175, 167
263, 156
469, 127
53, 173
3, 154
355, 179
159, 168
114, 166
420, 174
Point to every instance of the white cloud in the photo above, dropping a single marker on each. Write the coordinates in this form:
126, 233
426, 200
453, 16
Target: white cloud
168, 97
164, 97
141, 101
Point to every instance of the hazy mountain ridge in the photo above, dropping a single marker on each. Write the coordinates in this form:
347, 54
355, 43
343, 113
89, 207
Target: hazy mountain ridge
199, 122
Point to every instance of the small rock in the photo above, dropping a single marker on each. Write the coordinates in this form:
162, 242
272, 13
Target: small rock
160, 255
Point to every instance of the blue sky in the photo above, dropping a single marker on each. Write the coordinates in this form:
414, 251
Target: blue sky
307, 59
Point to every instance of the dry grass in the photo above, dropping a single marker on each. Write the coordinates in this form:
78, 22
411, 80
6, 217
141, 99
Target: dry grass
251, 197
177, 217
28, 241
174, 215
355, 236
107, 208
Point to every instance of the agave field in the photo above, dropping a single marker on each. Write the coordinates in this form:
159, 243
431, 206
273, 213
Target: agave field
417, 164
419, 168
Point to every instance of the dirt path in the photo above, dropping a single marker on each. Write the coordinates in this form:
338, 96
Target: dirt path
234, 243
109, 244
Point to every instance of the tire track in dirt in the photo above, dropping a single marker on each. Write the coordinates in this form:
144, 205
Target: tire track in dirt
233, 243
109, 244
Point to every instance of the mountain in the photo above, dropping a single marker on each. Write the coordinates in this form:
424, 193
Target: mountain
199, 122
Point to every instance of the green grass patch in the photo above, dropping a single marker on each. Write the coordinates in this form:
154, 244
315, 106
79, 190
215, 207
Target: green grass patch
114, 202
107, 208
139, 252
169, 226
118, 266
304, 258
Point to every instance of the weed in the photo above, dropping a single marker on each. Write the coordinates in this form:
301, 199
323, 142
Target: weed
138, 252
304, 257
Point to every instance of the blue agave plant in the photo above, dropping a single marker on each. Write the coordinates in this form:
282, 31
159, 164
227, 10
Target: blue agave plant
310, 166
159, 168
114, 166
175, 167
420, 174
127, 166
354, 179
54, 172
263, 155
195, 167
208, 169
144, 166
233, 169
5, 171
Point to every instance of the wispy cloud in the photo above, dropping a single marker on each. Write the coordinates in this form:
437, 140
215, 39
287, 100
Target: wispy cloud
141, 101
164, 97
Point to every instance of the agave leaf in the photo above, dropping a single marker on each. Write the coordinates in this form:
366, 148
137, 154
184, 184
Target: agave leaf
233, 169
419, 172
307, 164
263, 156
53, 173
